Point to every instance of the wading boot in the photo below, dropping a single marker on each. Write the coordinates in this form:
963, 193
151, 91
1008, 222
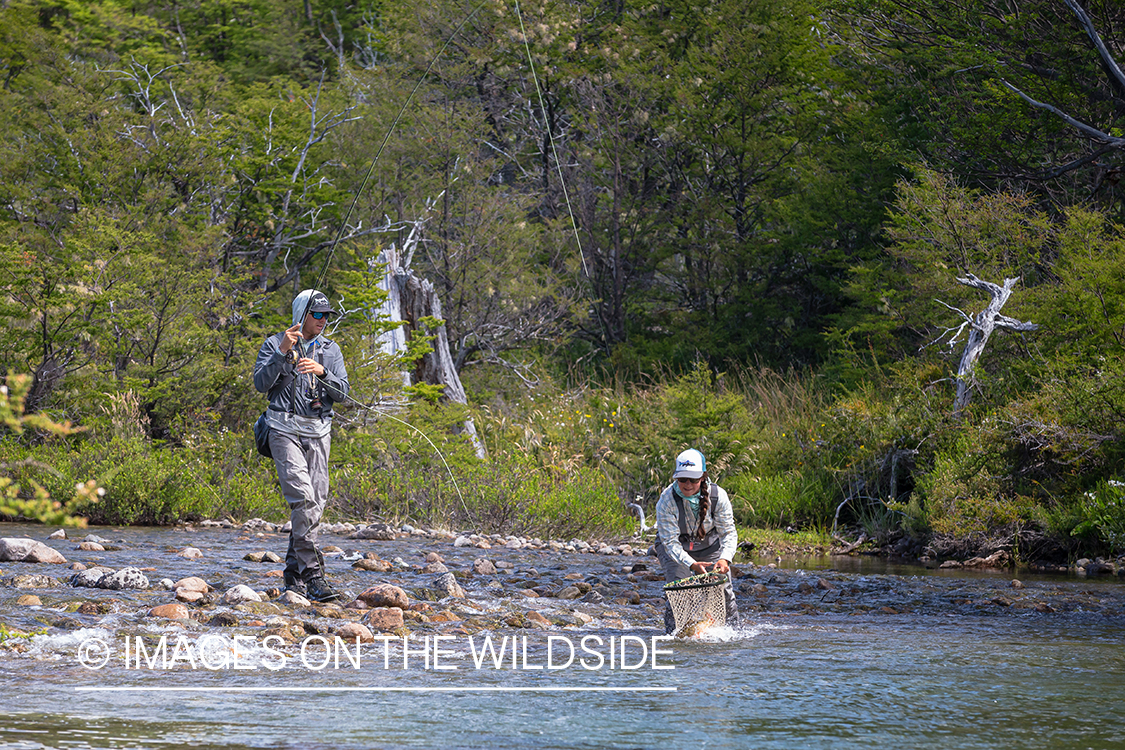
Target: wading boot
294, 583
319, 590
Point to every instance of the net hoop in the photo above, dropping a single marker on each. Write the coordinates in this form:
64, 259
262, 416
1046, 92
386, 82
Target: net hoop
699, 581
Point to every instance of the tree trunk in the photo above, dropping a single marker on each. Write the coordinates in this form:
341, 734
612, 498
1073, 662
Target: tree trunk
411, 299
981, 327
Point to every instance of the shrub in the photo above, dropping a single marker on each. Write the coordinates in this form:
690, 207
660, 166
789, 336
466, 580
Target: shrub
1103, 515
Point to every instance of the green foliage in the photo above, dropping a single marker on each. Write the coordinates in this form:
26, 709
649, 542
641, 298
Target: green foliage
1103, 511
675, 196
31, 500
941, 231
394, 474
1084, 314
768, 502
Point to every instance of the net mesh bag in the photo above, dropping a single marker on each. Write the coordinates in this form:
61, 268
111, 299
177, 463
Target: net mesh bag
697, 602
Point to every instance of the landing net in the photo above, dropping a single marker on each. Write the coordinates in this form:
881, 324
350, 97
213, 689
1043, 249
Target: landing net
697, 602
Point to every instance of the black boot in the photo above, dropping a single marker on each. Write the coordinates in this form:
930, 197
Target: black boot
319, 590
669, 620
294, 583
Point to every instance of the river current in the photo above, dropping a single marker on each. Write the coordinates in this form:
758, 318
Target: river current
828, 658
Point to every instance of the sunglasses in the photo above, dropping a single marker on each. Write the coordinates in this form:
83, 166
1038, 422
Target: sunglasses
318, 315
685, 480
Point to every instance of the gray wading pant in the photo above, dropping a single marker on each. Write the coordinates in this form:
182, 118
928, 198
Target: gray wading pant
673, 571
302, 468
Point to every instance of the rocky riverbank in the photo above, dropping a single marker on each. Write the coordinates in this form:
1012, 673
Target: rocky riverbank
223, 578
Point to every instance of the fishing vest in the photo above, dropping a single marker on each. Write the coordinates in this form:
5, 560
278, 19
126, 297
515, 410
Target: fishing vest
291, 381
692, 545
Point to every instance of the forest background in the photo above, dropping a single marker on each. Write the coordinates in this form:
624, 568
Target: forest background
761, 228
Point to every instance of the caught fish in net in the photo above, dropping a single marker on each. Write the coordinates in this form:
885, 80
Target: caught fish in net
697, 602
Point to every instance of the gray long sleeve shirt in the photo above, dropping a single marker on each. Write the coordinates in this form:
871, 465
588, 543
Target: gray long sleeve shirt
721, 518
274, 376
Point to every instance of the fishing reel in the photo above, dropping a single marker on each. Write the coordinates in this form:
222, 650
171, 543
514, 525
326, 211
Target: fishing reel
291, 356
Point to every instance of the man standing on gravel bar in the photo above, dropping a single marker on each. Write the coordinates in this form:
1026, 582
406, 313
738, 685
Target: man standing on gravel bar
303, 374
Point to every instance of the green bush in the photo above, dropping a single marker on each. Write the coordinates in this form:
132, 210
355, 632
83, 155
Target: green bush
967, 490
764, 501
1103, 515
395, 475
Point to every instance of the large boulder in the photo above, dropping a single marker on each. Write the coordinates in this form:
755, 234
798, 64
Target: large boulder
90, 578
101, 577
28, 550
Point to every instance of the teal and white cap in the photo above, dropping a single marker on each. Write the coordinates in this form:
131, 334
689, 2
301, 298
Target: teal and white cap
690, 465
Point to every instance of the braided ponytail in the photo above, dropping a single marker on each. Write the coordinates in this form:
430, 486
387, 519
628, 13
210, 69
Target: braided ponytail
704, 505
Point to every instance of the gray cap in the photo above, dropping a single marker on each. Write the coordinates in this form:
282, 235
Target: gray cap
320, 303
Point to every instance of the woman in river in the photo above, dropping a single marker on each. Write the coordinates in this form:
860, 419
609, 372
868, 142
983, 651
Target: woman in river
695, 529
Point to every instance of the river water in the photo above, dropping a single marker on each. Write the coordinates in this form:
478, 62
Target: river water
867, 658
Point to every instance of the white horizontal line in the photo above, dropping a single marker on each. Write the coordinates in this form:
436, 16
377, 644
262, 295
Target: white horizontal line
310, 689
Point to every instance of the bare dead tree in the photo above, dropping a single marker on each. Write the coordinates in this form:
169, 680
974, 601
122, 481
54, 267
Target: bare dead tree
410, 299
980, 328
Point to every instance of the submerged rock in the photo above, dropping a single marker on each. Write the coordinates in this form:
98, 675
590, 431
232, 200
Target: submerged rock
376, 566
223, 620
384, 595
240, 593
293, 598
447, 583
33, 581
126, 578
384, 619
352, 631
483, 566
172, 611
191, 583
